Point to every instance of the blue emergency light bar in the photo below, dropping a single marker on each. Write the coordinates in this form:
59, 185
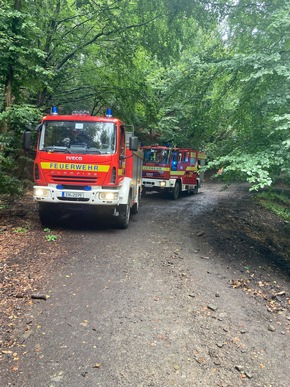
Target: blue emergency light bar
54, 110
109, 112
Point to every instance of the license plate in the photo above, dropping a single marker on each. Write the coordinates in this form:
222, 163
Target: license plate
73, 195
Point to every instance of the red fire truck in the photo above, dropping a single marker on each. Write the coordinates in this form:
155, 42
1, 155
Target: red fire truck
171, 170
85, 162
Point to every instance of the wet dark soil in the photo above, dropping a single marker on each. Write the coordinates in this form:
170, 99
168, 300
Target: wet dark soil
196, 292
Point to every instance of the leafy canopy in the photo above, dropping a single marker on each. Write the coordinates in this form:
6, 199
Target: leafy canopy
214, 76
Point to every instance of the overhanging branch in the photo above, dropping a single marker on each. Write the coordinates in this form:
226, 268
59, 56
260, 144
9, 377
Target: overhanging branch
101, 34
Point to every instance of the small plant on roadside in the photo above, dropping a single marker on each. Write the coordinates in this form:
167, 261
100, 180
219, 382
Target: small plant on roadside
3, 206
50, 237
21, 230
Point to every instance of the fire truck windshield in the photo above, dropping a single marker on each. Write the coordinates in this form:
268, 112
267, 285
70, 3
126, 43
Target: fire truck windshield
157, 156
78, 137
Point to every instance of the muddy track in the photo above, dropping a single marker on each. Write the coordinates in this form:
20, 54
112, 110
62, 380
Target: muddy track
194, 293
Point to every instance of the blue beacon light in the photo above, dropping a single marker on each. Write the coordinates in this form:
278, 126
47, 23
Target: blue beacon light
54, 110
174, 166
109, 112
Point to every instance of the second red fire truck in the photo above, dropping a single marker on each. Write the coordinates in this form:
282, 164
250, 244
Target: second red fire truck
172, 170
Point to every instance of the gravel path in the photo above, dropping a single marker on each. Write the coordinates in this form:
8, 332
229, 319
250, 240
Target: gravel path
194, 293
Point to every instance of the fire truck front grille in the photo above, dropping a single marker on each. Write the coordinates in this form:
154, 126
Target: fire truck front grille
153, 175
74, 179
74, 199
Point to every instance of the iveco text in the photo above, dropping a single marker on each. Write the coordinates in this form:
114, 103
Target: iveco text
74, 158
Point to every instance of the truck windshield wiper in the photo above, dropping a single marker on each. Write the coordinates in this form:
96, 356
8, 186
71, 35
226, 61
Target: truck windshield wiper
56, 149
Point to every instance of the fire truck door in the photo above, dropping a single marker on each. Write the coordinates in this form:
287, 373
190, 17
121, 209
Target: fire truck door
183, 166
122, 150
190, 161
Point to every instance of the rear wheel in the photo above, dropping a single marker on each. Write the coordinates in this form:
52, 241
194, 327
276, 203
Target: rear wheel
176, 191
122, 220
195, 191
135, 207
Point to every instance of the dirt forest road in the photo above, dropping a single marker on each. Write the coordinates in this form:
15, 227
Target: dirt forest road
194, 293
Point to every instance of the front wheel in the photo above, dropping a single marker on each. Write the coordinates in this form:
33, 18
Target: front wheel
47, 214
122, 220
176, 191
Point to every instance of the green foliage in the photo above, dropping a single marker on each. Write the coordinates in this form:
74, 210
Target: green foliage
18, 118
22, 230
258, 169
246, 101
10, 185
211, 76
277, 203
50, 237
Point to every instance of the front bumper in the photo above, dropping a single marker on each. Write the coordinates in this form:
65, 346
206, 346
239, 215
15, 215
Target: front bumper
88, 195
158, 184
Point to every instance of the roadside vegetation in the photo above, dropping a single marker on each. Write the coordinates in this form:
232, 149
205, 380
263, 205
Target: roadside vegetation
277, 203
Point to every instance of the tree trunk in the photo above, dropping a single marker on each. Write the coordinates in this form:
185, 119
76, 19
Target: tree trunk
8, 101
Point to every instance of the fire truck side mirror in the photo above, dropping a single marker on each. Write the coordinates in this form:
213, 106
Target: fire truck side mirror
27, 140
133, 143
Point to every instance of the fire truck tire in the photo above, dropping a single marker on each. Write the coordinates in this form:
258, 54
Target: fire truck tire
176, 191
122, 220
135, 207
195, 191
47, 214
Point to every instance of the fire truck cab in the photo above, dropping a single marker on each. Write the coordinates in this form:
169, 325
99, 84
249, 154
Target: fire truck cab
172, 170
86, 163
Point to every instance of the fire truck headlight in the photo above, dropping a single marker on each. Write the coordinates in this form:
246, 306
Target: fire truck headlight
162, 183
43, 192
109, 196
